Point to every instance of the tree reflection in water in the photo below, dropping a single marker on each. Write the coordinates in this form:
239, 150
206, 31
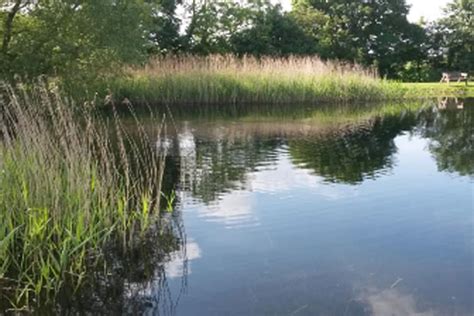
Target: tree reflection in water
352, 154
218, 158
450, 130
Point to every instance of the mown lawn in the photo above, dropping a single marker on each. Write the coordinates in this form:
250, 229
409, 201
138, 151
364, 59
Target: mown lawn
437, 89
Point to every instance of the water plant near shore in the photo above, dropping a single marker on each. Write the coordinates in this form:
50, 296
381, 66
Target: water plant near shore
67, 190
224, 79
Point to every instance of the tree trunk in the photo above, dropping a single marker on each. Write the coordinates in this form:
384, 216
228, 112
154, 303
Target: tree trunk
7, 35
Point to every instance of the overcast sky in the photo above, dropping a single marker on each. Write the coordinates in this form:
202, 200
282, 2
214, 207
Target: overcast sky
430, 9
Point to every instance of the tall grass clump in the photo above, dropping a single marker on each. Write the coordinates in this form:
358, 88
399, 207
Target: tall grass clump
68, 189
228, 79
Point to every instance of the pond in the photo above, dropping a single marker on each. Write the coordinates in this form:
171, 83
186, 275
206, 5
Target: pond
324, 212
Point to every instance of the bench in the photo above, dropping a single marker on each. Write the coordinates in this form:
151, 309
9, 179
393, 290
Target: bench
451, 76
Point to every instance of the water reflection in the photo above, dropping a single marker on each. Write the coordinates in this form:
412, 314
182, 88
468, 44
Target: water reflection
211, 167
393, 302
354, 154
137, 279
451, 135
450, 103
178, 265
232, 209
218, 158
371, 215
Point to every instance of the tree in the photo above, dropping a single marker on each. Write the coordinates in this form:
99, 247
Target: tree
457, 35
14, 8
272, 32
74, 39
248, 27
164, 28
9, 9
211, 25
371, 32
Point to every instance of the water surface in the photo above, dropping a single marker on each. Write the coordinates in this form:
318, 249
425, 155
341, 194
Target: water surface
369, 215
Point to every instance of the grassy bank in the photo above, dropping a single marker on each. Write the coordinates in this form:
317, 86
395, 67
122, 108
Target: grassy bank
66, 194
226, 79
436, 89
229, 80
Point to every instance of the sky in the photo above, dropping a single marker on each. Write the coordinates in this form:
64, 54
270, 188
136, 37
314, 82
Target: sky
430, 9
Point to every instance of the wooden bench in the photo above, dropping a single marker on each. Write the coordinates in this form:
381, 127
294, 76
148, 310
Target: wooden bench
451, 76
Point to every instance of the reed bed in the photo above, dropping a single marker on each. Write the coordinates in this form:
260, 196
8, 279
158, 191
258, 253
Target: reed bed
228, 79
68, 189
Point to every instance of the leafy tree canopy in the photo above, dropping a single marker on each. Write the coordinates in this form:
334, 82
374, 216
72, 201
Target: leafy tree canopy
81, 40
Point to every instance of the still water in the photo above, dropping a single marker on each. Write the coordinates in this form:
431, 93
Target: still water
322, 212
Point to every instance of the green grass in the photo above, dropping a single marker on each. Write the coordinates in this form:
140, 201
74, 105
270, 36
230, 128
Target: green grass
65, 194
436, 89
229, 80
208, 89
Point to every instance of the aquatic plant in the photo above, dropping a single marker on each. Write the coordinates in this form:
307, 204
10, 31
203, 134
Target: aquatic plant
69, 188
227, 79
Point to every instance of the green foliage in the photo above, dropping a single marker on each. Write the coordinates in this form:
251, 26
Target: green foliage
65, 194
272, 33
211, 22
249, 27
164, 29
80, 42
214, 24
368, 32
457, 29
418, 72
76, 41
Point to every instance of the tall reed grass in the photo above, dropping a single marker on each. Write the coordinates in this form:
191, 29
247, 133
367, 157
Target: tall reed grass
66, 192
229, 79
